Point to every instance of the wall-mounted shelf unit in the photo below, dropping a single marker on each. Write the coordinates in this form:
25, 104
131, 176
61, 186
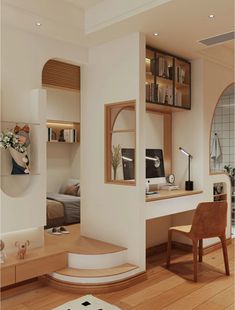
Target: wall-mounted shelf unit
168, 82
63, 132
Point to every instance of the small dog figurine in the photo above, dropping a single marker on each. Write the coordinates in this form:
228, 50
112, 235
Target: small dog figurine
2, 253
22, 248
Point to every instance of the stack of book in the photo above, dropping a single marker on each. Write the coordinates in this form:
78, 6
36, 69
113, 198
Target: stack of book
70, 135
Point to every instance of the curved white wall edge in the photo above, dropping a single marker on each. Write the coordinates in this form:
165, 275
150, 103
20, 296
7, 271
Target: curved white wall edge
97, 280
98, 261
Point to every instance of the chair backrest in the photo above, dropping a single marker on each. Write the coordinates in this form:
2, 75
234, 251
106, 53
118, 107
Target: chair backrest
209, 220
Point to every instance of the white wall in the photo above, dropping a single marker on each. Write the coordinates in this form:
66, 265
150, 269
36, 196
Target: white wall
63, 105
112, 212
23, 57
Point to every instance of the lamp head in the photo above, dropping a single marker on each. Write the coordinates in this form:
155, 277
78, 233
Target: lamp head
185, 152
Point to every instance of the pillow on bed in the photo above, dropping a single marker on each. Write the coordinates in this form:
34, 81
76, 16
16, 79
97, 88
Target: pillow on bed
68, 183
72, 190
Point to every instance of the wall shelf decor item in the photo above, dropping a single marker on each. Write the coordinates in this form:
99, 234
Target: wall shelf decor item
63, 132
168, 81
17, 141
120, 135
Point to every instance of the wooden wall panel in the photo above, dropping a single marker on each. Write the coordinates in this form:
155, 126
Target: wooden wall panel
59, 74
41, 266
7, 276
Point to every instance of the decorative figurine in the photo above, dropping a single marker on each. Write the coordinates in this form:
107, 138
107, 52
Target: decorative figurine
2, 253
22, 248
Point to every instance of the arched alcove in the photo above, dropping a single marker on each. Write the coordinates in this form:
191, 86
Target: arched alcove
222, 132
120, 136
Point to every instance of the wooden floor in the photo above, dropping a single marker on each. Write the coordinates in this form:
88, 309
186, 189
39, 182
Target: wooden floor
163, 289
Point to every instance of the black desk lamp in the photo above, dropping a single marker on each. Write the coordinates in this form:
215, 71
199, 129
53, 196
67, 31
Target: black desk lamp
188, 184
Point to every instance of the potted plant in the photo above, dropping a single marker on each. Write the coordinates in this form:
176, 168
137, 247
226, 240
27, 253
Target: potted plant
116, 159
231, 172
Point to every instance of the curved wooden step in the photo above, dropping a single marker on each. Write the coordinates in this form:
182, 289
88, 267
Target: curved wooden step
94, 288
94, 273
96, 276
75, 243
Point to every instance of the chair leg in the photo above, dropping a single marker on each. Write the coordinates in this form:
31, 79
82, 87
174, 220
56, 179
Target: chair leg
225, 253
200, 249
195, 242
168, 260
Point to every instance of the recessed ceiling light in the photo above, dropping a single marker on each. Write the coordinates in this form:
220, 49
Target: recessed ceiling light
38, 24
156, 34
211, 16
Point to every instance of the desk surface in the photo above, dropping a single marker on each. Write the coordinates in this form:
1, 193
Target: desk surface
165, 194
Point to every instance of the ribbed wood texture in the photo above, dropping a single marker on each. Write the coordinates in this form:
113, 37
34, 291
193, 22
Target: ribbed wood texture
59, 74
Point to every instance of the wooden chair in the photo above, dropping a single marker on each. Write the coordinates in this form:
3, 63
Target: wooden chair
209, 221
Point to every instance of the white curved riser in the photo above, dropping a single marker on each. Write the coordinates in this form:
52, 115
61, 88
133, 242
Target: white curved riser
96, 280
98, 261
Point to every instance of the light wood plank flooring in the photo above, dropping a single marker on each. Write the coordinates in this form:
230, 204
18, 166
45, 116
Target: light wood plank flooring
163, 289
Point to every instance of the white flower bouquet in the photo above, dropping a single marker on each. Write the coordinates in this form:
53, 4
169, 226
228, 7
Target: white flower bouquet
17, 142
9, 139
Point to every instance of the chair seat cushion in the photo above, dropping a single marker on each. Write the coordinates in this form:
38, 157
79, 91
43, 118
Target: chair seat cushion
185, 229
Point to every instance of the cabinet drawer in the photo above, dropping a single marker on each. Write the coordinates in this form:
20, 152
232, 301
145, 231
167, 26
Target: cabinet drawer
7, 276
41, 266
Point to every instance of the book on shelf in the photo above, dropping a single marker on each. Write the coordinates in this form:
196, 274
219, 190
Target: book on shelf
151, 92
178, 98
51, 135
65, 135
164, 68
70, 135
180, 74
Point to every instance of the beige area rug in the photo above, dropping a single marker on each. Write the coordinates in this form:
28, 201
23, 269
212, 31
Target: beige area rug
87, 302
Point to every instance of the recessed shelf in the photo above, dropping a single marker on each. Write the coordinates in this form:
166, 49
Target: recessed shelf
63, 130
19, 175
21, 122
162, 107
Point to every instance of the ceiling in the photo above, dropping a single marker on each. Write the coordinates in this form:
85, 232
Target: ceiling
180, 23
84, 4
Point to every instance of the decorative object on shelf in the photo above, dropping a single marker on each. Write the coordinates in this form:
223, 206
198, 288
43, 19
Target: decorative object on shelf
116, 159
231, 172
189, 183
61, 137
147, 186
218, 188
2, 253
170, 178
22, 248
17, 141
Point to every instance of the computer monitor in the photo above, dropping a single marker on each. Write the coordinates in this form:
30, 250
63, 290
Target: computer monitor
155, 173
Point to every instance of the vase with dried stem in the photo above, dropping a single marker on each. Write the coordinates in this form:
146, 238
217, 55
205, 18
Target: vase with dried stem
116, 159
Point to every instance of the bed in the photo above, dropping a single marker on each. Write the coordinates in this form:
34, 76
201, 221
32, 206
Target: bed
63, 208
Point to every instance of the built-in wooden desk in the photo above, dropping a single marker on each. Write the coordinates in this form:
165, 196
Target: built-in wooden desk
165, 194
171, 202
